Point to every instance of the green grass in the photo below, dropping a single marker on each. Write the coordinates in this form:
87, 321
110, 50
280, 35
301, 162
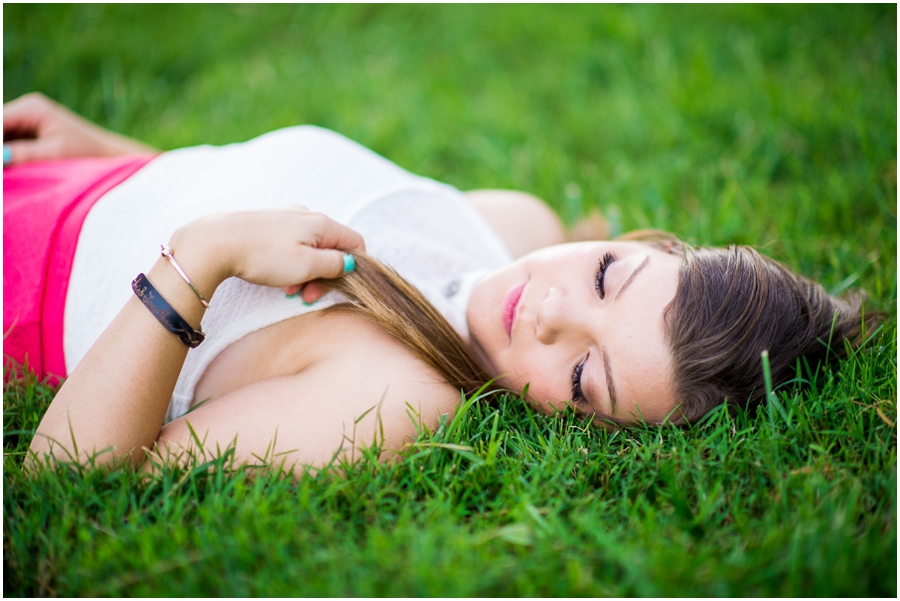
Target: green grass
768, 125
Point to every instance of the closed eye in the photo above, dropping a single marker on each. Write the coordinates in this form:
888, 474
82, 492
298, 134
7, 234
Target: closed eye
577, 394
605, 262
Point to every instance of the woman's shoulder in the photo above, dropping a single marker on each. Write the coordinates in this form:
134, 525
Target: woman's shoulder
364, 354
378, 381
353, 387
370, 378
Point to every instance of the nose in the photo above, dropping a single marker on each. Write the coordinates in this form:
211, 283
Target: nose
557, 317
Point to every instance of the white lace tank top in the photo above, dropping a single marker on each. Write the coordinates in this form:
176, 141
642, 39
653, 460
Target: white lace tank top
425, 230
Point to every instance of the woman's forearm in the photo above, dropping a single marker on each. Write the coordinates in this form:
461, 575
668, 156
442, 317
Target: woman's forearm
117, 396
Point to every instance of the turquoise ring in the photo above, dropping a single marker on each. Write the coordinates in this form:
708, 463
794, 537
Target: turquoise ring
349, 263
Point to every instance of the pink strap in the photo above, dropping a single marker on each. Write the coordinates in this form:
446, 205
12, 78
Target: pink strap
44, 206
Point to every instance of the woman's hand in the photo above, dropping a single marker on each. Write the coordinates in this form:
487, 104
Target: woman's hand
282, 248
36, 128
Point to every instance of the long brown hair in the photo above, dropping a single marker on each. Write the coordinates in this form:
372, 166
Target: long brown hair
379, 294
734, 303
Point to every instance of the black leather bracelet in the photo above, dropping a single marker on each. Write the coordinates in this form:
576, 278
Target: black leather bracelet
164, 312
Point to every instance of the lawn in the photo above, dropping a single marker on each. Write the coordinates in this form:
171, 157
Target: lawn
767, 125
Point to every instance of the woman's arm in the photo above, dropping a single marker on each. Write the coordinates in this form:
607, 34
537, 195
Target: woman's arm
118, 394
36, 128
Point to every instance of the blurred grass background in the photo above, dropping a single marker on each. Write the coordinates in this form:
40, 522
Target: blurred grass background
738, 124
767, 125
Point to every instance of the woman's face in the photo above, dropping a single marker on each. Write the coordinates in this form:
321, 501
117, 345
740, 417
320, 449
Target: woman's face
581, 323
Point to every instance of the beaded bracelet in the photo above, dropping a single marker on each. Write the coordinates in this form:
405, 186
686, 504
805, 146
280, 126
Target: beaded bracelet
164, 312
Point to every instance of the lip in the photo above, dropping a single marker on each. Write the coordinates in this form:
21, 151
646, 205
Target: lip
509, 308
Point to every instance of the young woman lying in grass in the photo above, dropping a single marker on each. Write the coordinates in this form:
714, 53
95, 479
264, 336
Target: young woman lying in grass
307, 356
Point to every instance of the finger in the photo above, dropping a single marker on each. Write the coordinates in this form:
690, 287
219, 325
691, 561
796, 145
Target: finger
337, 235
30, 150
325, 263
316, 288
23, 115
313, 291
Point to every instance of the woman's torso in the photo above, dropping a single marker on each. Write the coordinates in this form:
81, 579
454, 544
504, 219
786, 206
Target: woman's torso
425, 230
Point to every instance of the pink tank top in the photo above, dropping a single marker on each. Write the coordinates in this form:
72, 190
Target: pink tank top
44, 206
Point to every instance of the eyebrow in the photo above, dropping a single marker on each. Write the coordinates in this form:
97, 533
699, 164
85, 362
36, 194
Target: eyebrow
632, 276
609, 381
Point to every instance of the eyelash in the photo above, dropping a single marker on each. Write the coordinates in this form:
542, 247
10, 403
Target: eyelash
605, 262
577, 393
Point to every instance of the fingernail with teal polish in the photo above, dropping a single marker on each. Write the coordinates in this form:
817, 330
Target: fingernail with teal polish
286, 295
349, 263
7, 155
306, 304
